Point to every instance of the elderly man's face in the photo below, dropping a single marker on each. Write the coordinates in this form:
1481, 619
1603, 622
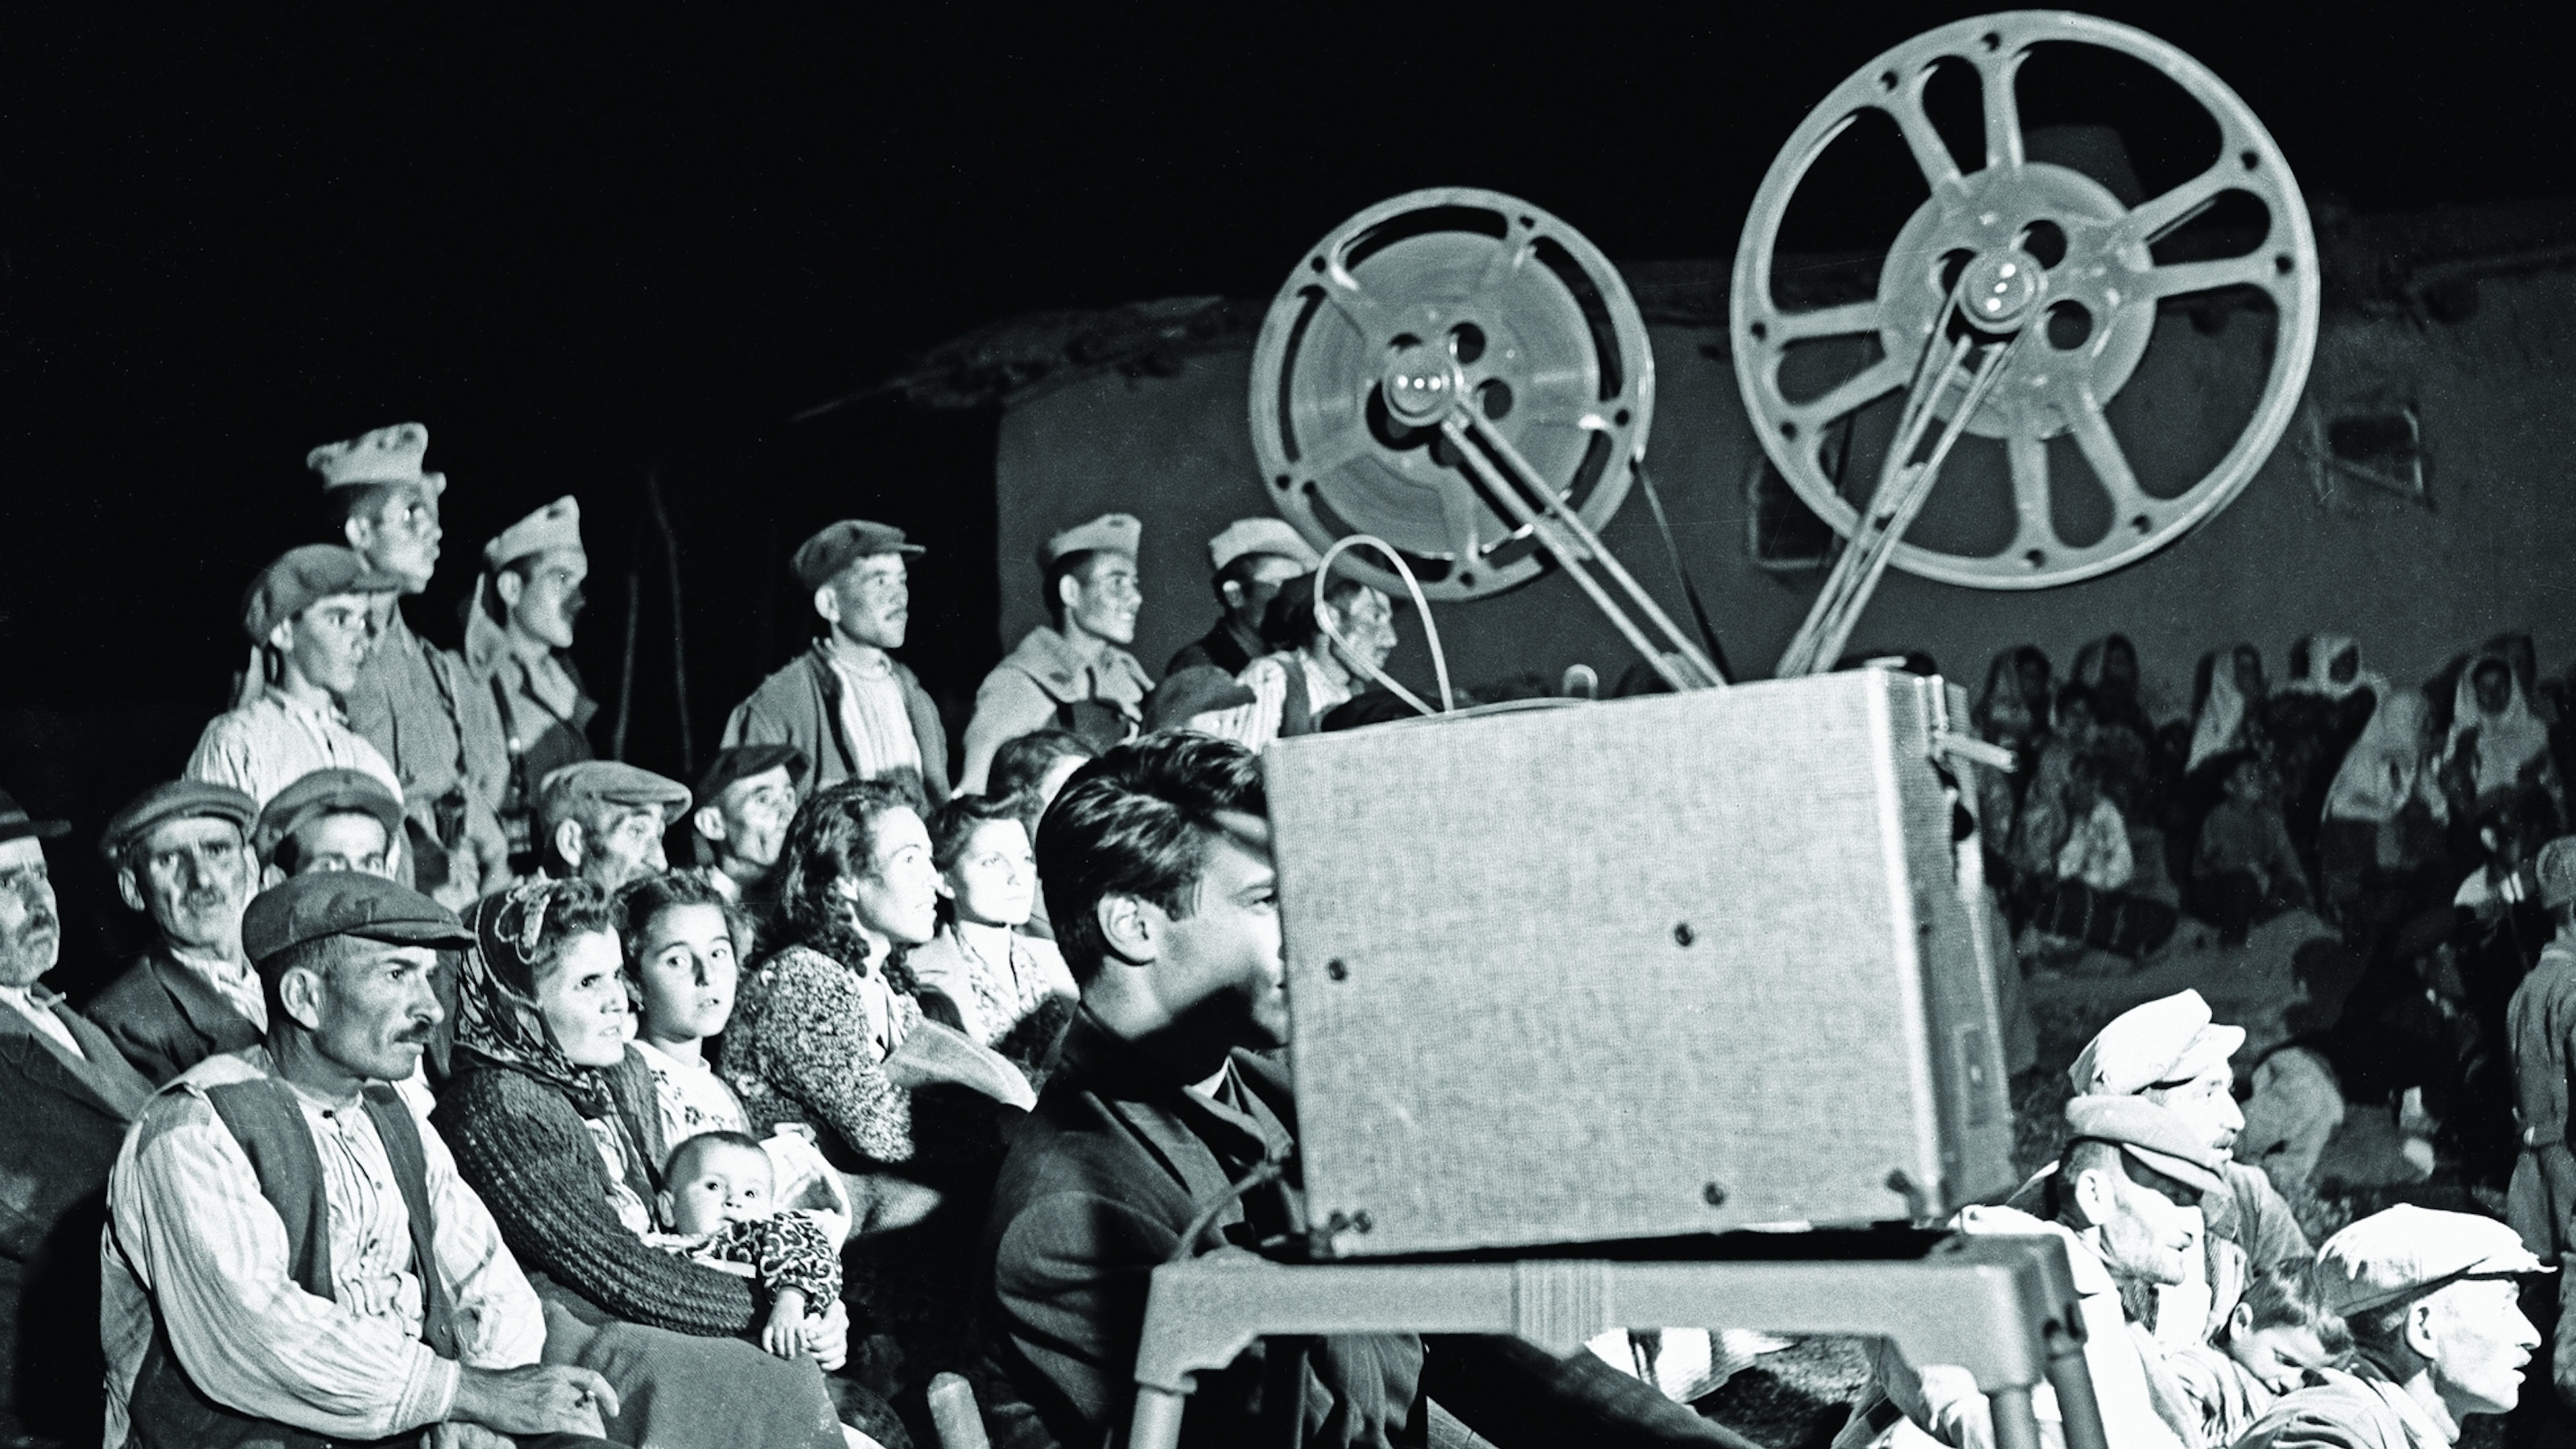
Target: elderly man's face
755, 811
372, 1012
2480, 1341
622, 843
871, 601
2206, 1103
194, 877
31, 930
2147, 1221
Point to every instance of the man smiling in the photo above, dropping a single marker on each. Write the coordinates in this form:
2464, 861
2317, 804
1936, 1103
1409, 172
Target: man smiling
1074, 672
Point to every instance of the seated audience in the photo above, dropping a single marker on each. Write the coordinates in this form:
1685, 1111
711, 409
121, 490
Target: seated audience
719, 1206
2228, 714
995, 981
2109, 667
293, 1259
1247, 562
2003, 717
2497, 746
306, 615
2541, 1203
2313, 719
2429, 1299
181, 857
70, 1097
602, 821
1309, 673
2279, 1331
2074, 892
539, 1132
2121, 753
2245, 869
2382, 818
1073, 672
745, 799
329, 820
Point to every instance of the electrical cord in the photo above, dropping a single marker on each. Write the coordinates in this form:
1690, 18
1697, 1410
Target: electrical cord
1430, 626
1187, 1248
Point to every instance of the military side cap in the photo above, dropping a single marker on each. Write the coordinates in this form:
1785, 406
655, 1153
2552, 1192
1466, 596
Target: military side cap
2163, 1043
610, 782
15, 824
555, 526
1260, 535
326, 903
1191, 692
174, 800
2150, 1133
2556, 869
386, 455
326, 792
744, 761
1114, 532
300, 576
2407, 1249
820, 559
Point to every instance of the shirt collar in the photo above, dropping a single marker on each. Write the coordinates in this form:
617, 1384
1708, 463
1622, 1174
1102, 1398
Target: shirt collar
34, 996
281, 700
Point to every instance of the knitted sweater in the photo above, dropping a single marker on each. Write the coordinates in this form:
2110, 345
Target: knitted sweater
522, 1146
799, 1050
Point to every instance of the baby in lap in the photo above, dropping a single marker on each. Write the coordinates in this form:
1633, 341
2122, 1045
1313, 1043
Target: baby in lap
720, 1206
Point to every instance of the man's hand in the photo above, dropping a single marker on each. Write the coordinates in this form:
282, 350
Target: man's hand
827, 1337
539, 1398
455, 1435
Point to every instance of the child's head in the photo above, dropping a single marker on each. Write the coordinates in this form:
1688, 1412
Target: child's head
2282, 1327
716, 1178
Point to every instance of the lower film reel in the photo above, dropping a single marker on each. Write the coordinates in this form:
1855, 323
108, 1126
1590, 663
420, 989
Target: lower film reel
1434, 296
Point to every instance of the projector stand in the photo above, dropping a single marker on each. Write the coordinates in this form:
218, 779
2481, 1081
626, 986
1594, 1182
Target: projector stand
2004, 1308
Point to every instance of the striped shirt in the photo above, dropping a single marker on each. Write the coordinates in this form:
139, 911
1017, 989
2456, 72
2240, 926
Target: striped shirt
874, 717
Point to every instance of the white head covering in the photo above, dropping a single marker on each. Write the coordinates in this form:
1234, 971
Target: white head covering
2508, 739
2387, 766
2314, 673
2222, 715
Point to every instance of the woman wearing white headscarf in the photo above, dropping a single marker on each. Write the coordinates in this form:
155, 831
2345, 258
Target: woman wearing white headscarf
2330, 665
2383, 795
2497, 745
2230, 715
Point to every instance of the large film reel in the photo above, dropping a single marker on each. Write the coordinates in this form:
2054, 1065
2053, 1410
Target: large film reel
1986, 225
1412, 308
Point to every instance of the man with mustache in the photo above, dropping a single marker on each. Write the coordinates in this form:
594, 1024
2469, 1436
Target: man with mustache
602, 821
2431, 1300
852, 709
745, 799
293, 1259
69, 1099
1074, 672
181, 857
518, 645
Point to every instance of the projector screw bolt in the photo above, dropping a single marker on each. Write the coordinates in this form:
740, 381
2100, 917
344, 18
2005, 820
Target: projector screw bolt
1337, 970
1683, 935
1713, 1195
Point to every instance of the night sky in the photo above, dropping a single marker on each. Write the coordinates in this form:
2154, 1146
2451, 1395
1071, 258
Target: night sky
584, 250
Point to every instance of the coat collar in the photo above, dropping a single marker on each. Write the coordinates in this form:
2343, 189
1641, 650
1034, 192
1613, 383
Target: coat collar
104, 1082
195, 997
1141, 1089
1044, 656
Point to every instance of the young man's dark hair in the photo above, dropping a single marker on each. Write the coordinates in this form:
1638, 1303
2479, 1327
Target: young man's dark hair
1138, 821
1075, 565
1023, 761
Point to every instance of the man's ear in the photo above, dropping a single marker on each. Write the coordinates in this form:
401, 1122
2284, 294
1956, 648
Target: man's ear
360, 531
1232, 592
271, 877
509, 585
708, 821
1068, 591
299, 991
827, 604
282, 637
2240, 1320
130, 890
2418, 1332
1131, 931
2094, 1197
568, 841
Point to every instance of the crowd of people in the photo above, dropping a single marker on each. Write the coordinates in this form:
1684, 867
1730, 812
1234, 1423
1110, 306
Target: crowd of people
444, 1108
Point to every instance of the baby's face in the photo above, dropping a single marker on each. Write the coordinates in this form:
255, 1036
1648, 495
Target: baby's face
2279, 1355
723, 1184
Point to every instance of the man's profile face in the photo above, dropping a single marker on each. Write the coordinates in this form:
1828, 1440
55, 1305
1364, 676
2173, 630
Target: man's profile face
550, 600
2148, 1231
873, 600
1106, 597
372, 1011
402, 538
2206, 1104
194, 875
2481, 1340
31, 930
328, 641
1224, 956
1367, 620
756, 809
343, 840
1248, 598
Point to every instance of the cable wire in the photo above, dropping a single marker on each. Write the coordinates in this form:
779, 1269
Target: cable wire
1430, 626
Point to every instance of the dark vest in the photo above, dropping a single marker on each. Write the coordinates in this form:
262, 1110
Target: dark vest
170, 1412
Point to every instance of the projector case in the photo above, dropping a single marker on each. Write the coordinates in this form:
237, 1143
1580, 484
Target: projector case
1659, 966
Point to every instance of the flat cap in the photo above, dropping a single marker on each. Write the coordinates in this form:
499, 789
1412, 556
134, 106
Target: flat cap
2555, 868
1260, 535
744, 761
820, 559
610, 782
555, 526
386, 455
2151, 1134
2406, 1249
345, 903
326, 792
15, 824
174, 800
302, 575
2162, 1043
1116, 532
1191, 692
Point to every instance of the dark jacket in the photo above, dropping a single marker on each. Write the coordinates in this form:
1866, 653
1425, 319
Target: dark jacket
58, 1137
2333, 1409
800, 705
1227, 645
166, 1018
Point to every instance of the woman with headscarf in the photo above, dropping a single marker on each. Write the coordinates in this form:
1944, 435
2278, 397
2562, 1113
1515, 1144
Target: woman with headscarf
2109, 667
2229, 715
2382, 814
538, 1133
2313, 718
2497, 745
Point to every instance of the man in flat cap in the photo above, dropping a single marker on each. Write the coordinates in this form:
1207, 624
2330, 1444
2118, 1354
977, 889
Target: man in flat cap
329, 820
1075, 673
2438, 1335
182, 856
1247, 563
2123, 1201
602, 821
851, 708
518, 646
413, 701
745, 799
306, 615
69, 1097
292, 1257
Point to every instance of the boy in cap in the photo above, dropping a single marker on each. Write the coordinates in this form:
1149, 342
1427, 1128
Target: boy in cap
70, 1096
1247, 563
518, 642
1075, 673
292, 1257
413, 701
306, 615
854, 710
2430, 1299
602, 821
182, 856
329, 820
747, 796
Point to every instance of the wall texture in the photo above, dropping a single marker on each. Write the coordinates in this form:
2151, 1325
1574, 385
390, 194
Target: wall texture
2302, 549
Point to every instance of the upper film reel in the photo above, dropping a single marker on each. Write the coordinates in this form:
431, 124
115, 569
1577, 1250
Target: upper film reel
1430, 297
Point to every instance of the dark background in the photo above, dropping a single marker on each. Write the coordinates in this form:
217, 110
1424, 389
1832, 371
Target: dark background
585, 249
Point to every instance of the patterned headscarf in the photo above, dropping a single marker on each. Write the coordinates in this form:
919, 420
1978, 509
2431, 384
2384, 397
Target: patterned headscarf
497, 1017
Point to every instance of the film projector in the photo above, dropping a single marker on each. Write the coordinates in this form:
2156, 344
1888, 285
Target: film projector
1659, 968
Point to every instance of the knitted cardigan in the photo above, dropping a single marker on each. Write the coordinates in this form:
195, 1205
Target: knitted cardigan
797, 1051
520, 1143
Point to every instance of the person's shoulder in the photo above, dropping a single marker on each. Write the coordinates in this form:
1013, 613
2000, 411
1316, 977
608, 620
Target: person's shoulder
2332, 1410
481, 1098
185, 1100
137, 988
785, 683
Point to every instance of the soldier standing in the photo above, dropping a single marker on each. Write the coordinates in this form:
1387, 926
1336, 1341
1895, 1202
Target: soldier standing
1075, 674
518, 638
